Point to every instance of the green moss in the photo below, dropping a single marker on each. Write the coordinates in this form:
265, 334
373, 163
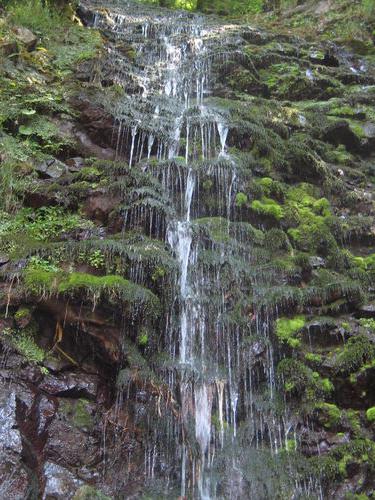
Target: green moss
311, 216
299, 381
327, 385
291, 445
287, 329
24, 342
267, 207
39, 280
314, 358
370, 414
357, 351
142, 338
241, 200
329, 414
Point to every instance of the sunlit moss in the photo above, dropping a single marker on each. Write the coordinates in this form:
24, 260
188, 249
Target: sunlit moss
287, 329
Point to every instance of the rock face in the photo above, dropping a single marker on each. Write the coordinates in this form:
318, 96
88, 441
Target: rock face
187, 301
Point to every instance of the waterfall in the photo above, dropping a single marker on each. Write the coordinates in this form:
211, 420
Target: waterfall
222, 371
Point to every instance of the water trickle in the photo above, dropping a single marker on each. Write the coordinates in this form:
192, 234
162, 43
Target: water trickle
223, 133
222, 362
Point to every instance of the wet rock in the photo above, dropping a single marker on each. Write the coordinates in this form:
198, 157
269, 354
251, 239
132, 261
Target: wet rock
316, 262
61, 484
53, 169
86, 15
72, 384
322, 332
56, 364
71, 447
26, 37
10, 438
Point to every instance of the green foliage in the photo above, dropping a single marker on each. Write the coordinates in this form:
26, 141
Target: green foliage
370, 414
53, 26
36, 15
142, 338
312, 217
24, 342
313, 358
21, 232
287, 329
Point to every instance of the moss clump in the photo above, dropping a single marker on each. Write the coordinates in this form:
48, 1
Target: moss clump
370, 414
300, 381
313, 358
311, 216
287, 329
358, 351
40, 279
241, 200
267, 207
329, 415
365, 263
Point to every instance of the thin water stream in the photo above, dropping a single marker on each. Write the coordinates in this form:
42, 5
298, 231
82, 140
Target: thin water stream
222, 373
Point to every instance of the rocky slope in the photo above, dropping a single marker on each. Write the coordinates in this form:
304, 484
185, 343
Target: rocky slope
87, 280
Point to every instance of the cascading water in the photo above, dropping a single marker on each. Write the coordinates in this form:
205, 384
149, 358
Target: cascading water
222, 370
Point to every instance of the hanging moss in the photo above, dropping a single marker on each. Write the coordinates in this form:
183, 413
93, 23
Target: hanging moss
40, 279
